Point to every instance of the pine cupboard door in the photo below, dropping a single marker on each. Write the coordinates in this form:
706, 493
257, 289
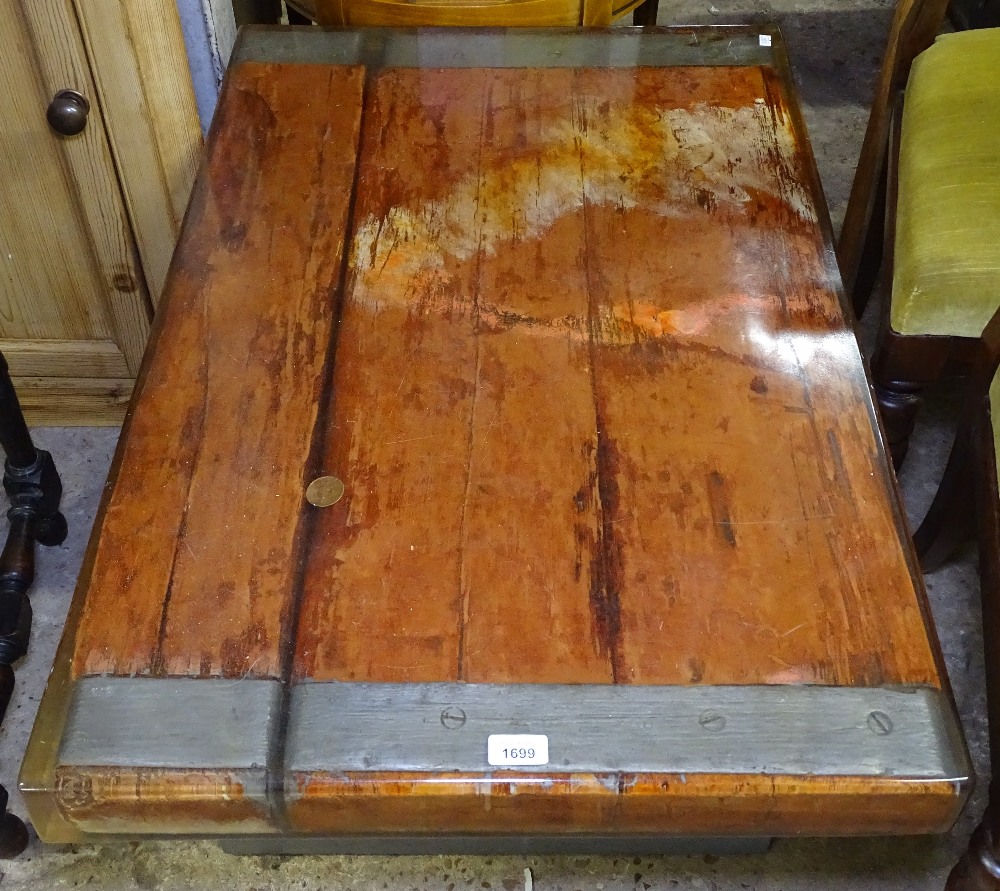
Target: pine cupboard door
75, 309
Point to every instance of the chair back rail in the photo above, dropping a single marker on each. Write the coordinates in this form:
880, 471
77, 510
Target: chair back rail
915, 24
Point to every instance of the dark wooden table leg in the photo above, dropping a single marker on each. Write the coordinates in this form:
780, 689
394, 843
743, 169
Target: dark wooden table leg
979, 868
257, 12
297, 18
974, 13
34, 489
645, 13
13, 833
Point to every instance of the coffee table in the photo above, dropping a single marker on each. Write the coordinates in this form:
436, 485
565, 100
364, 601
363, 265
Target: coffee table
503, 474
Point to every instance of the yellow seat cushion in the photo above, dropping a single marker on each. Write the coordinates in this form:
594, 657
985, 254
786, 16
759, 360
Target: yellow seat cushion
946, 278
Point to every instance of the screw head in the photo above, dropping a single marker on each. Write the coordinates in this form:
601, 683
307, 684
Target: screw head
452, 717
711, 721
879, 723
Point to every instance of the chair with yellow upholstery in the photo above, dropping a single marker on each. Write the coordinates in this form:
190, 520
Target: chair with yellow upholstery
539, 13
941, 238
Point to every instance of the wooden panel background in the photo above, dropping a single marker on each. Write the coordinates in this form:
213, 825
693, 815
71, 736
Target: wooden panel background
90, 221
139, 62
75, 314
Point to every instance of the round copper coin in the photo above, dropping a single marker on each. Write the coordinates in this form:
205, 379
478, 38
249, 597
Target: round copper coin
324, 491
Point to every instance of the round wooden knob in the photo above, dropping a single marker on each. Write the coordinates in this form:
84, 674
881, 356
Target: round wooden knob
67, 112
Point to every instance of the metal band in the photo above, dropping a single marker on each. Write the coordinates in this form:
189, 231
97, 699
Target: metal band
780, 730
508, 48
443, 727
171, 723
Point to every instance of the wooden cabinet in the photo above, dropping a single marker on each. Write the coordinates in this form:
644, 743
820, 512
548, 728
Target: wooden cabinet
88, 222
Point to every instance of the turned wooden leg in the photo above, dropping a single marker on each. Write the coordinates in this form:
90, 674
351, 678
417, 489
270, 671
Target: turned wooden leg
951, 518
898, 402
645, 13
901, 367
34, 489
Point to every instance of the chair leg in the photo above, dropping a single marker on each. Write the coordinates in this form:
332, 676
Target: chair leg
899, 403
645, 13
297, 18
866, 275
902, 366
979, 867
951, 518
34, 489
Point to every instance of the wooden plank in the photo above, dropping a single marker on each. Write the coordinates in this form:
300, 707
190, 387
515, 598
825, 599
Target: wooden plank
189, 802
534, 592
270, 209
565, 566
705, 804
388, 555
139, 63
505, 603
709, 568
735, 346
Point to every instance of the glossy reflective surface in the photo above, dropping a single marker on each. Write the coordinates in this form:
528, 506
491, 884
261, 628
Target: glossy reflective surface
561, 313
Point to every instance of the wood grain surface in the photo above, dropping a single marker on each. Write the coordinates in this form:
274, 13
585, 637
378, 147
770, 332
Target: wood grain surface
199, 802
596, 407
143, 85
572, 340
70, 277
702, 804
203, 586
74, 305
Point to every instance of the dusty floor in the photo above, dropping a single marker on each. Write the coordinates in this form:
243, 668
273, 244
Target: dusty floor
835, 47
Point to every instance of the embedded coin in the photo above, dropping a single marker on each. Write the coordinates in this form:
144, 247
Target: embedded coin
324, 491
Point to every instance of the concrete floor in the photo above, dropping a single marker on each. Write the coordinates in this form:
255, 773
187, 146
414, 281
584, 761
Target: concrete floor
835, 47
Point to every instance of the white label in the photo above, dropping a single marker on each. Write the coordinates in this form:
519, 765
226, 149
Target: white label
517, 748
765, 39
